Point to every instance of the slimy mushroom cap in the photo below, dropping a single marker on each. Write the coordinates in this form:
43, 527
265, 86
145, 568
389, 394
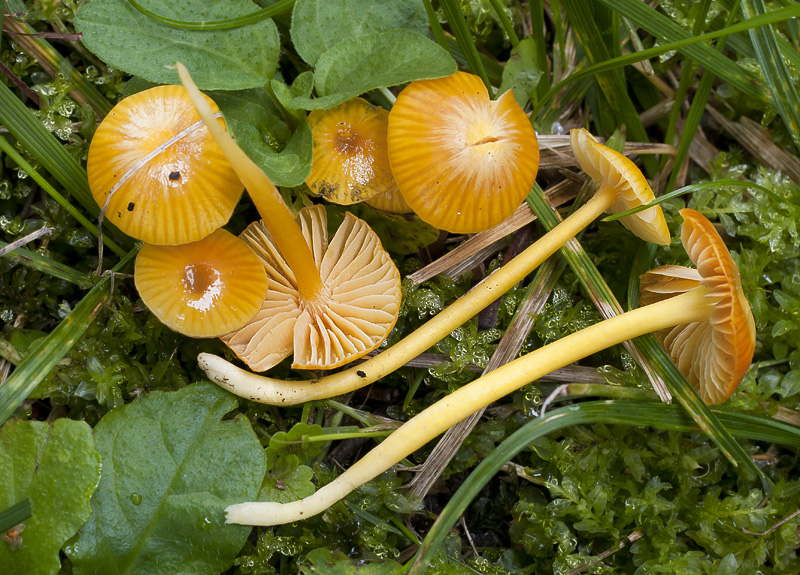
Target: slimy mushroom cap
182, 193
714, 355
350, 162
463, 162
205, 288
610, 169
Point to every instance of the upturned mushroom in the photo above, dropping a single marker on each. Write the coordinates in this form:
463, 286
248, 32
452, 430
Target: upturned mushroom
720, 325
337, 301
622, 187
463, 162
205, 288
155, 170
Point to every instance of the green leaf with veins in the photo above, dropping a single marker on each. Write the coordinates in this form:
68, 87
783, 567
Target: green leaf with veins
171, 464
318, 25
520, 72
363, 63
244, 57
57, 467
287, 481
256, 125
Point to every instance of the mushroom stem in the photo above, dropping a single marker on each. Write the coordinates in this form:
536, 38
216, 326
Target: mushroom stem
279, 220
692, 306
280, 392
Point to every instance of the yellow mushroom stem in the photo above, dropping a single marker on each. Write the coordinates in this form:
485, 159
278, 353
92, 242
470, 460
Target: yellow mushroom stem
279, 220
693, 306
280, 392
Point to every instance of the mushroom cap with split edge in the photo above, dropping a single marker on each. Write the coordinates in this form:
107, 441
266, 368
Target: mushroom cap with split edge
714, 355
357, 308
350, 162
463, 162
205, 288
610, 169
170, 194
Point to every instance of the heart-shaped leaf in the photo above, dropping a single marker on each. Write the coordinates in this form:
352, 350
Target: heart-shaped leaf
318, 25
234, 59
364, 63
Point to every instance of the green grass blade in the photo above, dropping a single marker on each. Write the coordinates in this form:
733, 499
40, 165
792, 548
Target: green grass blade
42, 264
666, 30
505, 22
775, 72
15, 515
536, 8
54, 346
9, 150
436, 27
458, 25
584, 16
680, 45
642, 414
592, 281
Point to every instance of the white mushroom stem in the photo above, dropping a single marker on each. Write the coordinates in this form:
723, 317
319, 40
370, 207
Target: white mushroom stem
279, 220
280, 392
693, 306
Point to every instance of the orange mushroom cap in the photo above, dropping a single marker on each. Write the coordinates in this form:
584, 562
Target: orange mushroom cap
168, 196
350, 162
610, 169
714, 355
205, 288
355, 310
463, 162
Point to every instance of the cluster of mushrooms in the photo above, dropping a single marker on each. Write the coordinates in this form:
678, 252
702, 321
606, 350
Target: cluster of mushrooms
459, 160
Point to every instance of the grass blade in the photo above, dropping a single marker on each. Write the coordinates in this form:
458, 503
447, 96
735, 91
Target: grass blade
15, 515
458, 25
55, 346
643, 414
42, 264
775, 72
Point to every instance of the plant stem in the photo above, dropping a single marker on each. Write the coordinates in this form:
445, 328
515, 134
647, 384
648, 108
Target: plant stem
279, 392
279, 220
692, 306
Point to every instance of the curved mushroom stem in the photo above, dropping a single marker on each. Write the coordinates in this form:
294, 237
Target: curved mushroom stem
280, 392
277, 217
692, 306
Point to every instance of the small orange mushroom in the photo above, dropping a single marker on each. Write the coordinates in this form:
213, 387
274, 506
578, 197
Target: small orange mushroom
157, 172
205, 288
350, 162
463, 162
341, 299
717, 301
714, 355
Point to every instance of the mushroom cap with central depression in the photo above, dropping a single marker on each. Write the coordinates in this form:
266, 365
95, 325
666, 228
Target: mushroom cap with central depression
355, 310
205, 288
714, 355
462, 161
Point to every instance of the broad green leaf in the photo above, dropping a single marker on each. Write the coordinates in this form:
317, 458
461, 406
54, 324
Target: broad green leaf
235, 59
520, 72
171, 464
57, 467
361, 64
318, 25
255, 123
287, 481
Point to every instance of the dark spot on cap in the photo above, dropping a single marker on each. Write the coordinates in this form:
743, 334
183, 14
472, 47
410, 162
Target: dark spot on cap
131, 205
119, 214
360, 373
175, 176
